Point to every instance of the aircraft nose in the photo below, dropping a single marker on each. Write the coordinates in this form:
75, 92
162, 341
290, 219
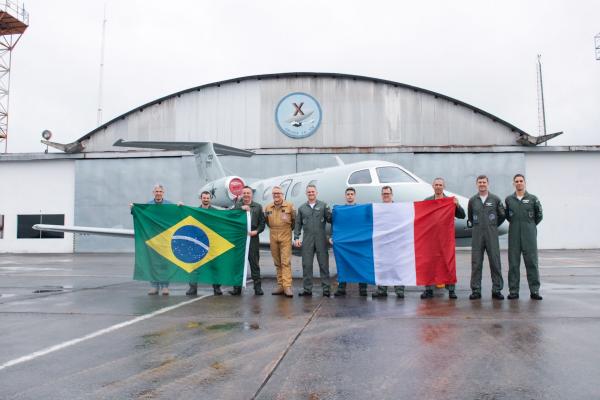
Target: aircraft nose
503, 229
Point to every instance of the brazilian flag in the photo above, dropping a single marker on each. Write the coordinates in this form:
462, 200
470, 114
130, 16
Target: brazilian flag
186, 244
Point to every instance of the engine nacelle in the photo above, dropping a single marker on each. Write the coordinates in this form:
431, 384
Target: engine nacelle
225, 190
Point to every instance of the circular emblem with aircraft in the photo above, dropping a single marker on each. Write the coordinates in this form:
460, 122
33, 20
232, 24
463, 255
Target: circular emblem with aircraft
190, 244
298, 115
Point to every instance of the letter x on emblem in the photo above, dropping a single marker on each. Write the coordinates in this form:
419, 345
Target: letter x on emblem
298, 109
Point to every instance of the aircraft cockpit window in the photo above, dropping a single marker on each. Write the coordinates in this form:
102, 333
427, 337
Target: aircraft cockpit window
267, 193
296, 189
393, 175
285, 186
358, 177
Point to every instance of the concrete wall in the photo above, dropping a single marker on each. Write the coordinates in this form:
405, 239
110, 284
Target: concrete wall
36, 187
567, 186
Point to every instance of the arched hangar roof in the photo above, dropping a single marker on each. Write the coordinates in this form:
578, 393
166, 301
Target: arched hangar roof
353, 111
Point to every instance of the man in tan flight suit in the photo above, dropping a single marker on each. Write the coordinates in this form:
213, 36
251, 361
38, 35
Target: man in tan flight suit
281, 216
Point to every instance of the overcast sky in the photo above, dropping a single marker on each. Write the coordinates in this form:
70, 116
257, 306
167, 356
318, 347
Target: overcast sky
480, 52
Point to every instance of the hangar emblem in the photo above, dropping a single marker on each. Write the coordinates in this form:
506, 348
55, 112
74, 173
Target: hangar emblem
298, 115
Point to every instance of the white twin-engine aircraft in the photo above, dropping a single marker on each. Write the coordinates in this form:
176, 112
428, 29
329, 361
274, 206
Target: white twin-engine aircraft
367, 177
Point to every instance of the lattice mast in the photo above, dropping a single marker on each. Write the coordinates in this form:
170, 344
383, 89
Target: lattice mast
14, 20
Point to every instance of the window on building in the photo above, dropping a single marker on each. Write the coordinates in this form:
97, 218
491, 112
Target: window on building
358, 177
25, 226
393, 175
1, 226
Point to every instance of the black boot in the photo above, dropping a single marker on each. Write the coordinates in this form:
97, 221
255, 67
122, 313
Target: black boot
362, 289
217, 290
258, 289
237, 291
193, 290
427, 294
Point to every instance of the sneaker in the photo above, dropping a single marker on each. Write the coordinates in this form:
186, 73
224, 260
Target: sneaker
512, 296
474, 296
497, 296
535, 296
278, 292
153, 291
306, 294
400, 294
452, 295
165, 291
427, 294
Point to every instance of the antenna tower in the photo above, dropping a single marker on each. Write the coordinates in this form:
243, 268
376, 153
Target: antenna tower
540, 99
101, 80
14, 20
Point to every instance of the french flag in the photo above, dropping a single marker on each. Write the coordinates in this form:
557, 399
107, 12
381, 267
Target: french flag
396, 243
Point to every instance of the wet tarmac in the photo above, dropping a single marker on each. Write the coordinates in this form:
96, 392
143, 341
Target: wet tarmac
77, 326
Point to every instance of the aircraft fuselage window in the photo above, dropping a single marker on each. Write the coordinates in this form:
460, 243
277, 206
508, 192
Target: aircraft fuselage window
1, 226
296, 189
393, 175
25, 223
358, 177
267, 193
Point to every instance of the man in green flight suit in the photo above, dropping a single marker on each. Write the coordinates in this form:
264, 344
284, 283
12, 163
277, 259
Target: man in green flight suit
312, 218
485, 214
350, 195
205, 200
257, 225
387, 196
524, 212
438, 193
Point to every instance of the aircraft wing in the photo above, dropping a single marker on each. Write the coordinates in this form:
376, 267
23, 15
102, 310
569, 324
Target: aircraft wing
220, 149
85, 230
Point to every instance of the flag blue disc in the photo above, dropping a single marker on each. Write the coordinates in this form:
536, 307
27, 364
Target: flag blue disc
190, 244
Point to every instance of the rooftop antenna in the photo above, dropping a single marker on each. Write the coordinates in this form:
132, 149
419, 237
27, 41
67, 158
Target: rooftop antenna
101, 80
14, 20
540, 99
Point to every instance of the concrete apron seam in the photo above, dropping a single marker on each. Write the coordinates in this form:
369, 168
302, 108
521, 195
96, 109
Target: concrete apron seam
92, 335
285, 352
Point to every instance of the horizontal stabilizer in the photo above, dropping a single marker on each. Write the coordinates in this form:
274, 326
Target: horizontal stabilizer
220, 149
530, 140
85, 230
74, 147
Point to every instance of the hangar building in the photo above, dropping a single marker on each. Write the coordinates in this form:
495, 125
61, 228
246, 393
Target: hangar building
293, 122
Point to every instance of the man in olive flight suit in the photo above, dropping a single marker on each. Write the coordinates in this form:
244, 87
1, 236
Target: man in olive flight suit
485, 214
312, 218
280, 217
438, 193
205, 198
387, 196
524, 212
257, 225
350, 195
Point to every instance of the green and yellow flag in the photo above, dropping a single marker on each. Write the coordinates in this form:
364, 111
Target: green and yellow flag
186, 244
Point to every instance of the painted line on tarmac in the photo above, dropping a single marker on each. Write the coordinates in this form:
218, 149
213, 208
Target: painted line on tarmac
101, 332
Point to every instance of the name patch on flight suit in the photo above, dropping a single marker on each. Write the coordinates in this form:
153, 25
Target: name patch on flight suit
525, 201
489, 204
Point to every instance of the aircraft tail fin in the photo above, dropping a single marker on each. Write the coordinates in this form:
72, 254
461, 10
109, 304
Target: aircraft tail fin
209, 166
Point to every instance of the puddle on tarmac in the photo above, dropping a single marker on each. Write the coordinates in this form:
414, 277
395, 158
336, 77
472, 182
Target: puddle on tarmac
224, 327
